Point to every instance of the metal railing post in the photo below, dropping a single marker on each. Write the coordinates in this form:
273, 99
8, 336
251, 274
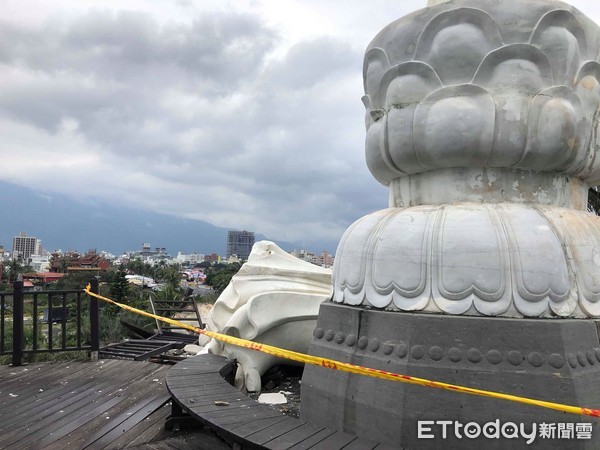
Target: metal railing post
94, 321
17, 350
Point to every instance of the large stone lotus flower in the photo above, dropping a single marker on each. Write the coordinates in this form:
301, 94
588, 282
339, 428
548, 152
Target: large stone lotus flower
483, 123
470, 89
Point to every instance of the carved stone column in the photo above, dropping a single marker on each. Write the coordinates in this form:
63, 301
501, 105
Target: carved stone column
482, 120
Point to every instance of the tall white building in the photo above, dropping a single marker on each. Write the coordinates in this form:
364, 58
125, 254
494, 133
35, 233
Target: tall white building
25, 246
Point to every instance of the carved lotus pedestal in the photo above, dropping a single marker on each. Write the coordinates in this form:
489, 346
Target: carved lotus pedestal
482, 120
498, 297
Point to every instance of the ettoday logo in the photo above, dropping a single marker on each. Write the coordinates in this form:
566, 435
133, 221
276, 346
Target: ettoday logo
442, 429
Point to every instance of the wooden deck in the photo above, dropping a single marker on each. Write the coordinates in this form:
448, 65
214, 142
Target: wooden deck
198, 387
102, 404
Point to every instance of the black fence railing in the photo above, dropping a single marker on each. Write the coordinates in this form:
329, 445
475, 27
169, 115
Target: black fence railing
48, 321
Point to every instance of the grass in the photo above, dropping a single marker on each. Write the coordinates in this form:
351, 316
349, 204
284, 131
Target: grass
42, 338
209, 298
111, 329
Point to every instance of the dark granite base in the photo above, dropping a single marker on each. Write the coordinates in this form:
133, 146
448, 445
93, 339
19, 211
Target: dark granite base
555, 360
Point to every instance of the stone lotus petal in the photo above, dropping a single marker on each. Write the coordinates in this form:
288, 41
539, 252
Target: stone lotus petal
406, 235
554, 130
407, 83
514, 73
377, 154
454, 43
472, 259
402, 89
535, 288
454, 127
474, 271
376, 64
582, 245
510, 130
515, 67
560, 35
368, 108
351, 277
587, 88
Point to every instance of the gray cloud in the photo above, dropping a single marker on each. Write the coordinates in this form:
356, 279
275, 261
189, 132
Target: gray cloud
208, 115
124, 45
311, 62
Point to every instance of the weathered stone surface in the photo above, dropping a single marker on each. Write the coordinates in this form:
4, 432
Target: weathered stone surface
554, 360
474, 83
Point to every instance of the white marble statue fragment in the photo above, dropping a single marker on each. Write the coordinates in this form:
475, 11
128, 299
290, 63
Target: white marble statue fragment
274, 299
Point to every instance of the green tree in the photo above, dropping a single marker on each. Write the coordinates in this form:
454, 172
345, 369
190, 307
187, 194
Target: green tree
118, 285
13, 269
75, 280
169, 275
166, 293
63, 264
138, 267
220, 276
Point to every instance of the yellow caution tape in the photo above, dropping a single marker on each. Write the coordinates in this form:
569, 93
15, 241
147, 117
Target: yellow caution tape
352, 368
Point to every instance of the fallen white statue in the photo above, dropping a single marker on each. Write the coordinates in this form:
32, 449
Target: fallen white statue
274, 299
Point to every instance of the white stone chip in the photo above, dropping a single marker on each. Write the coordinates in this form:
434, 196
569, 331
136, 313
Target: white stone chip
192, 349
272, 399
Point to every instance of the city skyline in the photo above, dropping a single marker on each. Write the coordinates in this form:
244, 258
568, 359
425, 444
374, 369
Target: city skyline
24, 246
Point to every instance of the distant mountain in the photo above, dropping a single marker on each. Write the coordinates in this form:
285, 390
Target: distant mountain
61, 222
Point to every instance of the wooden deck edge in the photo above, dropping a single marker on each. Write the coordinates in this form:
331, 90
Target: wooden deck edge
195, 383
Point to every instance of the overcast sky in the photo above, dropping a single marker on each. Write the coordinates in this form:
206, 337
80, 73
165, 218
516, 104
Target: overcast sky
242, 113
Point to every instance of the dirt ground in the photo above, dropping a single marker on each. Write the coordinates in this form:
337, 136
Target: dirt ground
287, 381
